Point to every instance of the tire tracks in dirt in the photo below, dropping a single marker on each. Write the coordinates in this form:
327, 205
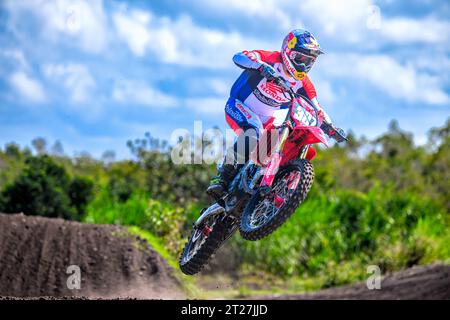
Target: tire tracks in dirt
36, 251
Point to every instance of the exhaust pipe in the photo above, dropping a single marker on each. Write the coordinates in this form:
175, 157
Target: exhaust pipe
211, 211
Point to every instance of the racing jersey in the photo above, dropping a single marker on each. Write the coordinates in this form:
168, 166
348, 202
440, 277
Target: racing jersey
264, 97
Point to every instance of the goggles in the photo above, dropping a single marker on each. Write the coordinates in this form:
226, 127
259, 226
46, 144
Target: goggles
299, 59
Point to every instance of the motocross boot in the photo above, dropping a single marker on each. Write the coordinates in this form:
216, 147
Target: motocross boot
233, 161
219, 184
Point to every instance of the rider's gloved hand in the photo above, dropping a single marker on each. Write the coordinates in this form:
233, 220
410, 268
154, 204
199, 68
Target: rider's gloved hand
283, 84
339, 136
333, 132
267, 71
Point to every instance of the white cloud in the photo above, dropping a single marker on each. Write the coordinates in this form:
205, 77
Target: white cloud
132, 29
435, 65
132, 91
17, 56
141, 93
346, 19
362, 21
216, 86
179, 41
82, 23
219, 86
350, 21
28, 87
75, 78
209, 105
325, 92
397, 80
277, 11
407, 30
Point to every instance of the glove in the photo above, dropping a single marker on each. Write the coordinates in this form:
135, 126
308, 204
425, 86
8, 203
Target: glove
285, 85
340, 136
336, 133
267, 71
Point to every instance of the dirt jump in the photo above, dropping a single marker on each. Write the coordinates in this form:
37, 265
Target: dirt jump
430, 282
35, 254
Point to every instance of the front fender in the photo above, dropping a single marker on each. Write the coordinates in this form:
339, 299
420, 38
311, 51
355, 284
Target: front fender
311, 135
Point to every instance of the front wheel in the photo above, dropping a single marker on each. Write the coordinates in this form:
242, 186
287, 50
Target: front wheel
204, 241
266, 211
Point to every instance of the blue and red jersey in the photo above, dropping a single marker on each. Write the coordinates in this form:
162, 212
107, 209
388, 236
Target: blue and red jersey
258, 97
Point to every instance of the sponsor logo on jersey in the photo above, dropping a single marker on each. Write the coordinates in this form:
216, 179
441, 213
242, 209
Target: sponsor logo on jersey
253, 56
234, 114
243, 110
267, 101
272, 91
272, 87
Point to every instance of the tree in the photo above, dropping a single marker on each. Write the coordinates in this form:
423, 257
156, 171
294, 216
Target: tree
40, 145
45, 188
57, 149
80, 193
109, 156
437, 170
123, 179
12, 150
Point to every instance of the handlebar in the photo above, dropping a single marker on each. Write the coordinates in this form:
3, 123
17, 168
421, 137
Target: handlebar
288, 89
332, 131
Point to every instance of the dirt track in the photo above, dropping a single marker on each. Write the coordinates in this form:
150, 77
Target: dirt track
416, 283
35, 253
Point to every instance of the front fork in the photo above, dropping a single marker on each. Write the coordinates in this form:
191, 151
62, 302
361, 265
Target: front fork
277, 156
303, 152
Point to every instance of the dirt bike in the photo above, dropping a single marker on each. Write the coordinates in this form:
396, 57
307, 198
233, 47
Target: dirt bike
268, 188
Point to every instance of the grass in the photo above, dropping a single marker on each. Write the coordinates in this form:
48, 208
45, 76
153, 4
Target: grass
222, 286
339, 235
329, 241
187, 283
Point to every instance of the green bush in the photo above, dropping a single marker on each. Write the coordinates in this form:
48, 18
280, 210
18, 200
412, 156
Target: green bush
380, 227
383, 202
45, 188
161, 219
80, 193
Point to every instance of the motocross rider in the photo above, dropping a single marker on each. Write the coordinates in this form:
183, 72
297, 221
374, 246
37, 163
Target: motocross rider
254, 96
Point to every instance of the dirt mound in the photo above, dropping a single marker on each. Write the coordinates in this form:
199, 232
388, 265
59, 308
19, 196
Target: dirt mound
416, 283
35, 253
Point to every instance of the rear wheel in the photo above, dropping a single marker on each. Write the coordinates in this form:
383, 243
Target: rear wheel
204, 242
268, 210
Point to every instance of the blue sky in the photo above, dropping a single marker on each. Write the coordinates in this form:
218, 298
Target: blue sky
94, 74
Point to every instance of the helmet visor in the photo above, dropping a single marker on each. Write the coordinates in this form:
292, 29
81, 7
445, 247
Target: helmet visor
299, 58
